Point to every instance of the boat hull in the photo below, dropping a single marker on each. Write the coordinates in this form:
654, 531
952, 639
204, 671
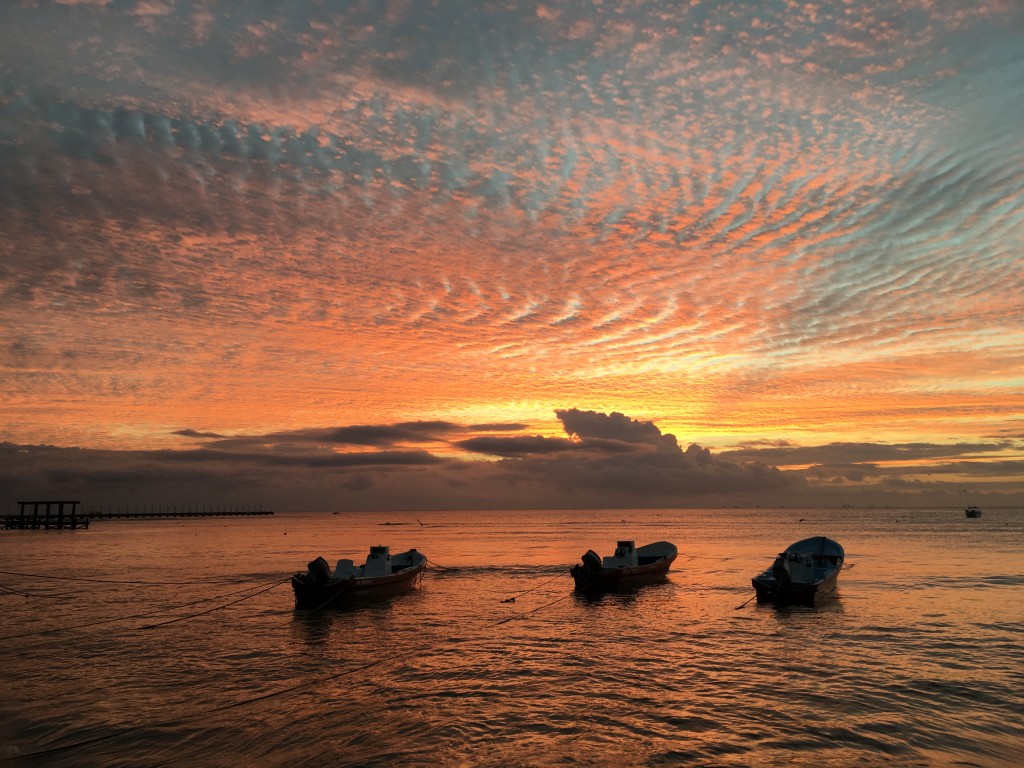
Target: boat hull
345, 592
796, 593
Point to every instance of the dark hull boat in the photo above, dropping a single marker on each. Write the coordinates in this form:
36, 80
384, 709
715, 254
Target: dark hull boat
382, 575
973, 511
629, 567
807, 570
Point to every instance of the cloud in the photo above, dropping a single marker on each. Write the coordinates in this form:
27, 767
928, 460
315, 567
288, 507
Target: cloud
610, 459
605, 460
837, 453
376, 435
497, 427
286, 458
625, 458
517, 446
586, 425
366, 435
855, 473
195, 433
748, 219
642, 477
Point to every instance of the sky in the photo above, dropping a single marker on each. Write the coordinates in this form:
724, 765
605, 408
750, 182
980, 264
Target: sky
465, 254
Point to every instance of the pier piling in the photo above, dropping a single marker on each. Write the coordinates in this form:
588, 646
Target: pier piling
53, 516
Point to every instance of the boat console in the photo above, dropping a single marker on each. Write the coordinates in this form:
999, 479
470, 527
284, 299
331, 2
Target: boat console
378, 562
345, 569
625, 556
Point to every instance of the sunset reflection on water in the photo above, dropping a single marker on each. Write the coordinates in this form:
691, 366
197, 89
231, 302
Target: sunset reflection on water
914, 660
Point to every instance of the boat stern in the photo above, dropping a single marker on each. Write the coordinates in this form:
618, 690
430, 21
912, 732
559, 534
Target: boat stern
587, 572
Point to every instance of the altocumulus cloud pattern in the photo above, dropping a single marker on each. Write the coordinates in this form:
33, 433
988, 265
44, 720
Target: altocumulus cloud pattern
756, 224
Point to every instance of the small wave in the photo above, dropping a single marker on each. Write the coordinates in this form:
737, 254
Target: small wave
1017, 629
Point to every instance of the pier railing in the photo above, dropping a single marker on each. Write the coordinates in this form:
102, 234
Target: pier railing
109, 513
61, 514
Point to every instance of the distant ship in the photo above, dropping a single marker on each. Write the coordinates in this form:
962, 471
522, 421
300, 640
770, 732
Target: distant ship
972, 511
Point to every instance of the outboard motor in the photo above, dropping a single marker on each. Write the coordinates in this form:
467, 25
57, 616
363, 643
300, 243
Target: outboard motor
780, 570
319, 571
592, 561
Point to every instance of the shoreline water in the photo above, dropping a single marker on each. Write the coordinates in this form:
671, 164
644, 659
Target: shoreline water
916, 660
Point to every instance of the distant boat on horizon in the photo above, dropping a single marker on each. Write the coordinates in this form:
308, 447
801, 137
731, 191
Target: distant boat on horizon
972, 511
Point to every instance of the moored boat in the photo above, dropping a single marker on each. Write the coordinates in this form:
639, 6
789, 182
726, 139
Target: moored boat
628, 567
381, 575
808, 569
973, 511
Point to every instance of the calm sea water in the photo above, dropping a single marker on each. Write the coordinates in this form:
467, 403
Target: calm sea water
918, 660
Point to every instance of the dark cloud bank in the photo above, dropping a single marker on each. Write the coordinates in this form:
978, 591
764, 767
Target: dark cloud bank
604, 461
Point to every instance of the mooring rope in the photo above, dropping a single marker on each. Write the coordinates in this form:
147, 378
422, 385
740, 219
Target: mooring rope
744, 604
524, 614
437, 565
217, 608
512, 599
14, 591
134, 583
126, 729
145, 615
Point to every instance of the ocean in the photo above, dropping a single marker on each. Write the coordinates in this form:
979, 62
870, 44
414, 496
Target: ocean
175, 643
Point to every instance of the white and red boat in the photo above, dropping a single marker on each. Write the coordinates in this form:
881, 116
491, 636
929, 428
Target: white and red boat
381, 575
629, 567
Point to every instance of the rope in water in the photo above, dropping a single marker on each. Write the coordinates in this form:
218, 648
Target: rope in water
438, 565
534, 610
134, 583
14, 591
145, 615
217, 608
512, 599
744, 604
126, 729
130, 728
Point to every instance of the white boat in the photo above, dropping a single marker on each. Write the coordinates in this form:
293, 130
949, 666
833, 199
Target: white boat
382, 574
629, 567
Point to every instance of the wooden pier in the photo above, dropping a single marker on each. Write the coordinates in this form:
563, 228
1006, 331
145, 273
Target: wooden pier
36, 515
138, 513
53, 516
